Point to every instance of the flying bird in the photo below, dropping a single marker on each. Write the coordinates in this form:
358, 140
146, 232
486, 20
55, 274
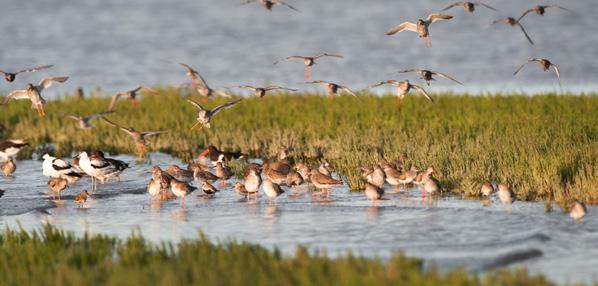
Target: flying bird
10, 76
468, 6
403, 87
84, 122
205, 115
332, 89
309, 61
268, 4
261, 91
426, 75
513, 22
198, 82
541, 9
545, 65
33, 93
138, 136
130, 94
421, 27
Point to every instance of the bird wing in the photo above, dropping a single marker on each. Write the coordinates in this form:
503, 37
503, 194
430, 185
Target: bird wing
557, 71
501, 20
34, 69
556, 6
285, 4
47, 82
438, 16
318, 81
152, 133
409, 70
485, 5
128, 130
195, 77
290, 58
246, 86
522, 66
96, 115
17, 94
73, 117
275, 87
223, 94
403, 26
525, 33
247, 2
349, 91
59, 164
220, 107
525, 13
390, 81
327, 55
446, 76
451, 6
114, 100
422, 91
196, 105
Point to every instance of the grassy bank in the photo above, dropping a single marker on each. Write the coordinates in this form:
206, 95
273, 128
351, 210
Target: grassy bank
545, 146
52, 257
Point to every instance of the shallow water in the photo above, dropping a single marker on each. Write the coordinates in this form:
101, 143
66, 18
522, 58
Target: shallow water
118, 44
449, 232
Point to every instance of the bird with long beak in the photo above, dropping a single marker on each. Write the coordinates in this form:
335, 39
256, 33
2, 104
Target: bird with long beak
84, 122
430, 184
545, 65
427, 75
10, 76
514, 22
216, 155
332, 89
57, 185
181, 189
205, 115
131, 95
468, 6
541, 9
138, 136
323, 182
421, 27
81, 198
180, 174
261, 91
200, 85
33, 93
268, 4
403, 88
373, 192
374, 176
272, 190
252, 180
53, 167
309, 62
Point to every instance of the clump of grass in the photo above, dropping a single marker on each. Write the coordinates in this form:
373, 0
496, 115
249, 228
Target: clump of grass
54, 257
545, 146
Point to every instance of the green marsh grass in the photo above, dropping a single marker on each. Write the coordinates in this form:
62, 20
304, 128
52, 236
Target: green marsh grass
545, 146
53, 257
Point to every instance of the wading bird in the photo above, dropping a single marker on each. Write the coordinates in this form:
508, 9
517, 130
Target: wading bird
268, 4
427, 75
205, 115
131, 95
577, 211
84, 122
308, 62
403, 87
261, 91
468, 6
545, 65
541, 9
33, 93
332, 89
10, 76
373, 192
138, 136
513, 22
9, 167
198, 82
81, 198
421, 27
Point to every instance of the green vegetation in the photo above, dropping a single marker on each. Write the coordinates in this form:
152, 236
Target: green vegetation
53, 257
545, 146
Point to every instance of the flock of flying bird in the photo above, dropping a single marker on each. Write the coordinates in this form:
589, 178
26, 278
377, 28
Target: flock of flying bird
176, 181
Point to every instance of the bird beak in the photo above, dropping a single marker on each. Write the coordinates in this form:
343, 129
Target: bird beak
193, 127
203, 153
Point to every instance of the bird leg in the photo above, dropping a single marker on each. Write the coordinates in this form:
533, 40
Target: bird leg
399, 102
427, 42
396, 188
307, 73
183, 202
195, 125
134, 102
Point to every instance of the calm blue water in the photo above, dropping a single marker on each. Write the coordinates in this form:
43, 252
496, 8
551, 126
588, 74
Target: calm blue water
118, 44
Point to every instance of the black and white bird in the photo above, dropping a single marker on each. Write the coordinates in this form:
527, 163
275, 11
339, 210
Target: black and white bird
10, 148
100, 168
53, 167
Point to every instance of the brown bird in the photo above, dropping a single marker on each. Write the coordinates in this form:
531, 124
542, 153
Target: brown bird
216, 155
130, 94
9, 167
545, 65
332, 89
421, 27
403, 87
261, 91
202, 87
208, 189
84, 122
468, 6
241, 190
181, 189
223, 172
268, 4
138, 136
309, 61
426, 75
81, 198
487, 189
274, 175
373, 192
33, 93
577, 211
182, 175
10, 76
513, 22
58, 185
252, 180
323, 182
541, 9
505, 194
205, 115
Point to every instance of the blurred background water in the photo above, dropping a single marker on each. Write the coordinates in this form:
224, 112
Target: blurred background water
116, 44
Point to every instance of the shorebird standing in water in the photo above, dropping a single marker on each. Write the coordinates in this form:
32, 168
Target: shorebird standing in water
332, 89
468, 6
541, 9
545, 65
427, 75
138, 136
10, 76
205, 115
373, 192
81, 198
9, 167
513, 22
261, 91
487, 189
577, 211
33, 93
84, 122
198, 82
268, 4
131, 95
421, 27
403, 87
505, 194
309, 61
